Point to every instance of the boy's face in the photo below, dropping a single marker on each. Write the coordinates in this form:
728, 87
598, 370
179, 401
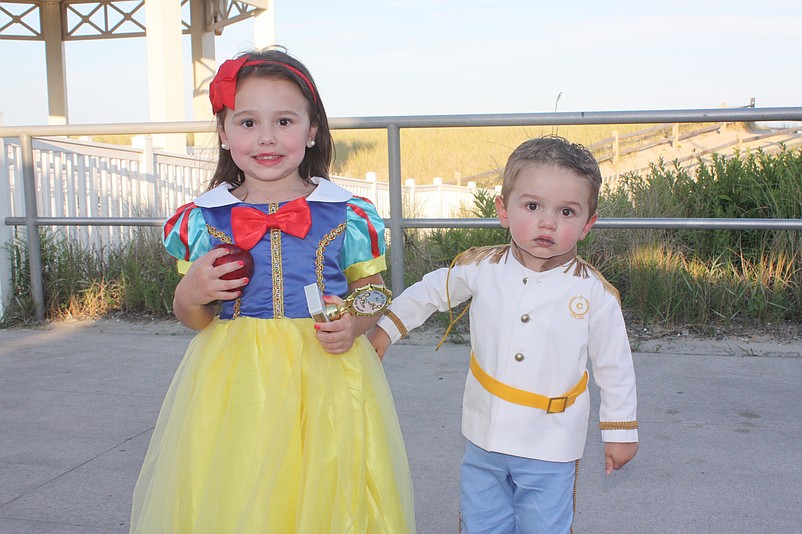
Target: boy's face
547, 213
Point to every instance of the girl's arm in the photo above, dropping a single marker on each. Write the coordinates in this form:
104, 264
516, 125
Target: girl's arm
194, 303
338, 336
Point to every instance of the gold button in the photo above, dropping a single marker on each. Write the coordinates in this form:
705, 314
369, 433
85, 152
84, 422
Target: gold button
525, 280
519, 357
525, 318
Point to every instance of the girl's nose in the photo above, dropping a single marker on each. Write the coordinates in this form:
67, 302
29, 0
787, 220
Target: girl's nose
266, 136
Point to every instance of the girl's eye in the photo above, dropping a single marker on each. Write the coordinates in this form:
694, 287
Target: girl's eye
248, 123
284, 122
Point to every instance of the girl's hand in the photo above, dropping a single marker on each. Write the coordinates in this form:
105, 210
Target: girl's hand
203, 283
337, 336
616, 455
197, 291
380, 341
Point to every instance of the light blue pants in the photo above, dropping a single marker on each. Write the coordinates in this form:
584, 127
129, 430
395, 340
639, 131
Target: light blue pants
503, 494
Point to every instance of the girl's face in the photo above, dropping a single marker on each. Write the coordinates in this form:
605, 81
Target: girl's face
547, 212
268, 132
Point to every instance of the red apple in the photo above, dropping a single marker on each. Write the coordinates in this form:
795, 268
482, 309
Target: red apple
235, 253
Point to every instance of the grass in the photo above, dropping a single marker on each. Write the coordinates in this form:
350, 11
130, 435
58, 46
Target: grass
705, 278
453, 154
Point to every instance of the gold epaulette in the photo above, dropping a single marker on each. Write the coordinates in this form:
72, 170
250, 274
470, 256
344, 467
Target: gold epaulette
581, 269
477, 254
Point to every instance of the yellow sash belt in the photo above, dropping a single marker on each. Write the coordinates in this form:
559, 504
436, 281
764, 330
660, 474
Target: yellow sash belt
527, 398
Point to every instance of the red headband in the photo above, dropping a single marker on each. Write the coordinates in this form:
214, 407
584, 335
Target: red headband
223, 88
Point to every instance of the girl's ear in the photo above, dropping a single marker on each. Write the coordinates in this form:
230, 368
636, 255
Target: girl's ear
222, 133
312, 133
501, 209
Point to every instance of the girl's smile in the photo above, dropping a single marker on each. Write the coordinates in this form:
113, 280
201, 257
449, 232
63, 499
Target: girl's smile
268, 133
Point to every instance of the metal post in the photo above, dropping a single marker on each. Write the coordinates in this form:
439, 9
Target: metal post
32, 227
396, 209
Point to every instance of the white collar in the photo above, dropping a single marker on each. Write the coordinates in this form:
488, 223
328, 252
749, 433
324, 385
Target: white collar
326, 191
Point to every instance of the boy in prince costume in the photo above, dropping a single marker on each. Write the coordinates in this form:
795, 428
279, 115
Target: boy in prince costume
538, 313
274, 423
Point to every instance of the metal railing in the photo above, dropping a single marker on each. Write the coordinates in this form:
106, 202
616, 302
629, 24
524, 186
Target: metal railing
393, 125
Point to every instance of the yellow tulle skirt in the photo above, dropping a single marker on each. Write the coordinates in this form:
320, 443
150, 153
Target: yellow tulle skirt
262, 431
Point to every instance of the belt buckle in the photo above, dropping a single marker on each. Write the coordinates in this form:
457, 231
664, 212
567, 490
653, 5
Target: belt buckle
557, 408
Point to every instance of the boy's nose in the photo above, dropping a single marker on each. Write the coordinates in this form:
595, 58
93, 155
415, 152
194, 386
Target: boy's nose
547, 222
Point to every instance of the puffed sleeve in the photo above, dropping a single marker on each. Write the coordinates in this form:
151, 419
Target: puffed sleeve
364, 246
185, 236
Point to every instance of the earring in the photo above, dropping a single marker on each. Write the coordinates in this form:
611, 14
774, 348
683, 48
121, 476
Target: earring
310, 144
224, 146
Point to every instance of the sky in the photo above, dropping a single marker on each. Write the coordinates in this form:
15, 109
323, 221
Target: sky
443, 57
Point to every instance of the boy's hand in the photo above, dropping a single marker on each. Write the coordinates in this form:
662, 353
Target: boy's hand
616, 455
380, 341
337, 336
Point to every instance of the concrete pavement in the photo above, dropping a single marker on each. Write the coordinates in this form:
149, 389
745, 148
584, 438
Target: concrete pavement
720, 430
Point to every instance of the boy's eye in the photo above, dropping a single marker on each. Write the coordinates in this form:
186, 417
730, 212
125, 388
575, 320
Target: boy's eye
567, 212
531, 206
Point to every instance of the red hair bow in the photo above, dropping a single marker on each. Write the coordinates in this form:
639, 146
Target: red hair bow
249, 224
223, 88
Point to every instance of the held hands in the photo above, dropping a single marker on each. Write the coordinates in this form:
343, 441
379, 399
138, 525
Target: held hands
337, 336
616, 455
380, 341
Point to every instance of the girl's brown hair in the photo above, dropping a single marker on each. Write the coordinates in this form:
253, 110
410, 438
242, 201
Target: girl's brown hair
277, 63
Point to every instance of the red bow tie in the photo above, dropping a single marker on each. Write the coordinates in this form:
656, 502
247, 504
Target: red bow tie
249, 224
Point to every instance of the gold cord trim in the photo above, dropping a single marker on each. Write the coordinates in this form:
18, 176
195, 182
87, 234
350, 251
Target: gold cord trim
618, 425
321, 249
277, 268
219, 234
576, 478
397, 322
451, 319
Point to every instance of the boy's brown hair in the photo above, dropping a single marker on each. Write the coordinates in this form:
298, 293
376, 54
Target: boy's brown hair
556, 151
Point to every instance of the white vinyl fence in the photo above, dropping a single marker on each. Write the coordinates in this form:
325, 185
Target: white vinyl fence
85, 179
76, 178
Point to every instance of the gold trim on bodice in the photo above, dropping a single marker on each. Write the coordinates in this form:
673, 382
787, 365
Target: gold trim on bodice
321, 249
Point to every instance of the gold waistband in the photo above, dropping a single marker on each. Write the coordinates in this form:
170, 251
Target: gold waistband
527, 398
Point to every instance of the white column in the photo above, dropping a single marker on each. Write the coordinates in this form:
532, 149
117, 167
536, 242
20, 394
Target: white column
50, 13
165, 69
6, 232
264, 26
204, 67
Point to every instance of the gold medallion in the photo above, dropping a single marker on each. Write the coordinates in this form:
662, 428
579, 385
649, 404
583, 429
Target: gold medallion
365, 301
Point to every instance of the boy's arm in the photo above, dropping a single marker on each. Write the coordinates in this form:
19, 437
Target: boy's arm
416, 303
614, 373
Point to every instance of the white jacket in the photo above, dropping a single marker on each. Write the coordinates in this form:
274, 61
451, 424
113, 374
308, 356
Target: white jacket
554, 321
